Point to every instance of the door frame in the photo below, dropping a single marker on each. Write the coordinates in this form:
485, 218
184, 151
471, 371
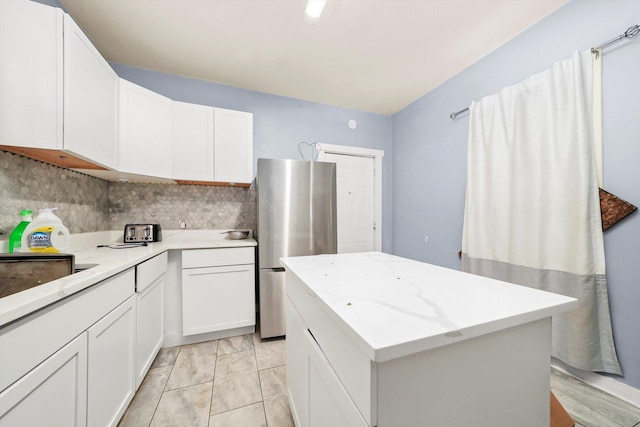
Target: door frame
371, 153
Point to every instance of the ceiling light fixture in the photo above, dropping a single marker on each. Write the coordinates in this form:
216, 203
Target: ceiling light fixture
313, 11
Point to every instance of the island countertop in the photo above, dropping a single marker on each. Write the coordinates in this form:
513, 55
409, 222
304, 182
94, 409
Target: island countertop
392, 307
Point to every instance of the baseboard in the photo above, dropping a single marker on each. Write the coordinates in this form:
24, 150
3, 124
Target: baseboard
609, 385
172, 339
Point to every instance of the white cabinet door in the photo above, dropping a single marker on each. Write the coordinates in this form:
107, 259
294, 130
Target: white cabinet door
150, 282
233, 154
192, 142
31, 82
217, 298
90, 99
52, 394
329, 402
111, 362
297, 366
149, 326
318, 397
144, 143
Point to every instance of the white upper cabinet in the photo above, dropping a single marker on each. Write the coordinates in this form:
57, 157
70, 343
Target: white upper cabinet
31, 76
90, 99
144, 145
192, 142
57, 91
212, 144
233, 148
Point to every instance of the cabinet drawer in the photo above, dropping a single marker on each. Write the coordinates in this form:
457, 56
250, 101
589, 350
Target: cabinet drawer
355, 369
54, 326
150, 270
217, 257
329, 402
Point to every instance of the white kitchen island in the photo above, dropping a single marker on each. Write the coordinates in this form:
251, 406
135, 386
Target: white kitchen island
378, 340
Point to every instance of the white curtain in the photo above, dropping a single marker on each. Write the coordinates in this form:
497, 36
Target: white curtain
532, 214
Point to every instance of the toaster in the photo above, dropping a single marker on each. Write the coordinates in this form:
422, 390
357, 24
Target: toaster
136, 233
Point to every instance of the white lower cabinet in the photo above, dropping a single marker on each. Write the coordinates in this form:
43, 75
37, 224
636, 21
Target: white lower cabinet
150, 282
329, 402
111, 383
218, 289
149, 328
71, 363
52, 394
297, 366
316, 394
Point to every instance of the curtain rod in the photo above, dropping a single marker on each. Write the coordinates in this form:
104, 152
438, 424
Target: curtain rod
631, 33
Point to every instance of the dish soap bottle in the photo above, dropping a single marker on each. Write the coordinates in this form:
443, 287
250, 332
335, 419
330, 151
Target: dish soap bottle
15, 238
45, 234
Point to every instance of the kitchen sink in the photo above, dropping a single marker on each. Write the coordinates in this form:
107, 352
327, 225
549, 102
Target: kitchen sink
23, 271
82, 267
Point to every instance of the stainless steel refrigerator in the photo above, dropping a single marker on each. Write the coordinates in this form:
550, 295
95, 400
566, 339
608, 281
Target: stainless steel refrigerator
296, 217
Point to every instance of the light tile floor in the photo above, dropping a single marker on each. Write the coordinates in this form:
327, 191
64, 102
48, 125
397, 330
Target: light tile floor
238, 381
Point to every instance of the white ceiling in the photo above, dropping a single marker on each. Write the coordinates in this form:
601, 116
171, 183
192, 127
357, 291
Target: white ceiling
370, 55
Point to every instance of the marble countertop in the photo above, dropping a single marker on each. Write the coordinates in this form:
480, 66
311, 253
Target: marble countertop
393, 307
110, 262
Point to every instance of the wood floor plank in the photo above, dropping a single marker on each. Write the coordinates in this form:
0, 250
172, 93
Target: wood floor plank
583, 414
598, 401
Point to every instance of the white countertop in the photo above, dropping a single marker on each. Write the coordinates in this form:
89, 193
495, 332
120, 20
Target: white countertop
110, 262
393, 307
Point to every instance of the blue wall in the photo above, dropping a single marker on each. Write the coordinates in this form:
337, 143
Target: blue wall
429, 150
281, 123
52, 3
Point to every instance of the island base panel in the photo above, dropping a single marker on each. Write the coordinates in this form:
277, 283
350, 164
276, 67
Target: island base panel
498, 379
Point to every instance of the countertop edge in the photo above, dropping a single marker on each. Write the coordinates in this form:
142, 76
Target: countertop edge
433, 342
22, 304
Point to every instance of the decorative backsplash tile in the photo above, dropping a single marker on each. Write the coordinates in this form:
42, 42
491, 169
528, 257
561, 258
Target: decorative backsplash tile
202, 207
82, 200
88, 204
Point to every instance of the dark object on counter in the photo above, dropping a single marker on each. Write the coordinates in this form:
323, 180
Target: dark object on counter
236, 234
21, 271
136, 233
613, 209
122, 245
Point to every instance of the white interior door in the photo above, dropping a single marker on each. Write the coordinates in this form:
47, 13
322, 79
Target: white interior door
355, 196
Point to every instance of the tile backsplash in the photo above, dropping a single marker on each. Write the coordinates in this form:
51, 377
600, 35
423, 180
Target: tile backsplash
88, 204
82, 201
202, 207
